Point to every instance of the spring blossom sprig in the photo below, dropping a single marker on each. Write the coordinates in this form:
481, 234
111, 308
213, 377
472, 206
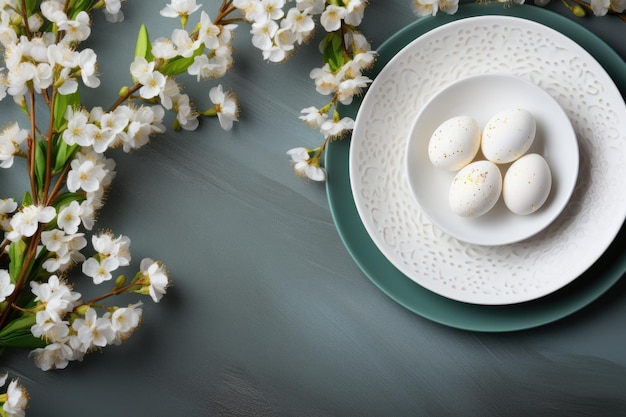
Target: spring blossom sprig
48, 234
14, 400
278, 27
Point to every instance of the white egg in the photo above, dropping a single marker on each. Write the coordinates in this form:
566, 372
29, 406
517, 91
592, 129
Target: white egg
527, 184
508, 135
454, 143
475, 189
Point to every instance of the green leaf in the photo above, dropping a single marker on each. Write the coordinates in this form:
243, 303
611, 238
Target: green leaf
40, 162
60, 107
30, 7
64, 153
332, 50
80, 6
143, 48
25, 321
16, 259
27, 200
66, 198
180, 64
22, 339
16, 334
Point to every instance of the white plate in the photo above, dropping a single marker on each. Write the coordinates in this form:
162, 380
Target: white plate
481, 97
471, 273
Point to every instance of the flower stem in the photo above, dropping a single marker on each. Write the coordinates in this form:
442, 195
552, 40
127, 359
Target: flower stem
125, 97
25, 19
225, 9
26, 266
48, 175
32, 149
113, 292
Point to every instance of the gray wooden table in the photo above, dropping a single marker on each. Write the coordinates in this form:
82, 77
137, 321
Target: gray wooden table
269, 315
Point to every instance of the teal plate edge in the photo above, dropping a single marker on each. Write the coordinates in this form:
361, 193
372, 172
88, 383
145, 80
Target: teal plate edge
601, 276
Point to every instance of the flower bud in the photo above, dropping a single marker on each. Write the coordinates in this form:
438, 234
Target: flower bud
578, 11
82, 309
143, 290
16, 20
120, 281
123, 92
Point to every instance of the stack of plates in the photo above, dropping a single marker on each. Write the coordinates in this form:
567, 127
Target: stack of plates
504, 287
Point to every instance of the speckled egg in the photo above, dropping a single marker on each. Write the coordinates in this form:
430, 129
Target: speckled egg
475, 189
455, 143
527, 184
508, 135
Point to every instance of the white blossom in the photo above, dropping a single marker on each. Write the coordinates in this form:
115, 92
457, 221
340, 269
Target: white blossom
69, 217
169, 92
313, 117
25, 222
100, 270
354, 11
204, 67
93, 331
152, 84
76, 30
284, 40
432, 7
11, 138
262, 34
425, 7
113, 11
87, 61
304, 165
7, 33
186, 115
144, 121
85, 175
63, 55
250, 8
350, 87
314, 7
271, 10
326, 82
56, 296
184, 43
601, 7
164, 49
179, 8
140, 67
125, 320
6, 287
53, 11
79, 131
17, 400
336, 128
55, 331
208, 34
155, 278
332, 16
300, 22
53, 356
225, 105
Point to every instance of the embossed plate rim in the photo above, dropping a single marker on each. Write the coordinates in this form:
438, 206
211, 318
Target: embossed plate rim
552, 281
473, 317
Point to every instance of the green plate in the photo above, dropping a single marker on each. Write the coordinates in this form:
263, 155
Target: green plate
569, 299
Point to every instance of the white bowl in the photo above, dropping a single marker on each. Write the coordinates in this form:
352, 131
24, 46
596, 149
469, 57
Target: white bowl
482, 96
